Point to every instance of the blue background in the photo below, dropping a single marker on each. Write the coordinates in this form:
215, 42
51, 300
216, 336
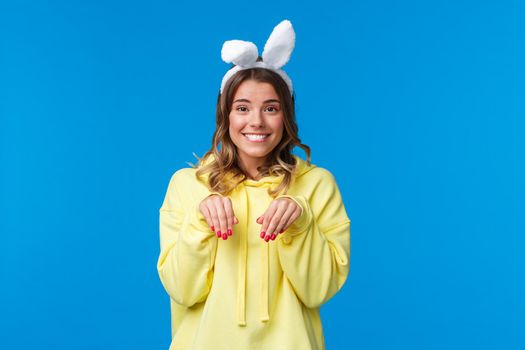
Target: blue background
417, 108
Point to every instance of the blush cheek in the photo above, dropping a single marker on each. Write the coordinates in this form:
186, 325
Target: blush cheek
235, 128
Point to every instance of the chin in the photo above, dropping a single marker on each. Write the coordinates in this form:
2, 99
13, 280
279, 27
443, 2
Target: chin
256, 154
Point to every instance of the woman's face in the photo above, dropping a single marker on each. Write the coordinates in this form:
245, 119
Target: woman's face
256, 121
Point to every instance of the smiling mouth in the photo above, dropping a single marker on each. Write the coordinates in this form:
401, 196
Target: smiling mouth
256, 137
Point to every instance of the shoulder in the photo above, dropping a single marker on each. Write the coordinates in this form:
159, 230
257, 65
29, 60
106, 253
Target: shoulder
318, 176
321, 173
319, 187
311, 171
183, 179
184, 190
184, 175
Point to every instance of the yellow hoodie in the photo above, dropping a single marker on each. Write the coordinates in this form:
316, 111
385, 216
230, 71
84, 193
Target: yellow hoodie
243, 292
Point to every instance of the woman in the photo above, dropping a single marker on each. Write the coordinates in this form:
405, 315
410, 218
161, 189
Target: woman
253, 239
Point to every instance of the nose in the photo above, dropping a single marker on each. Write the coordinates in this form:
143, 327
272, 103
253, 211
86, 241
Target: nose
256, 119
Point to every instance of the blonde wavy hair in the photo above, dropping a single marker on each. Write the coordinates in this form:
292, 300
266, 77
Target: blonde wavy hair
224, 171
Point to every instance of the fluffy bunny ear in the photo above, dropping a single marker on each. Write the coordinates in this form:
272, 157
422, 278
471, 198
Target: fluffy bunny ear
241, 53
279, 45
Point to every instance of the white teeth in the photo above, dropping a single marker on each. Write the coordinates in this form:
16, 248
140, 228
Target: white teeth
254, 137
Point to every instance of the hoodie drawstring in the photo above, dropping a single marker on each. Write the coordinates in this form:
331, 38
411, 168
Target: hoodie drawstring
264, 285
243, 254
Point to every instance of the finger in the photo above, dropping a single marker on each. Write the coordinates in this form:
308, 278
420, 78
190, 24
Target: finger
277, 218
214, 218
221, 214
294, 217
267, 217
229, 214
290, 210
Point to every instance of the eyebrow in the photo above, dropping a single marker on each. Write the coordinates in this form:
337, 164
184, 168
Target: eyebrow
246, 100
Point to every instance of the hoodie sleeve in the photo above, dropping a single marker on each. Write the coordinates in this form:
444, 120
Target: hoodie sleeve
188, 247
315, 250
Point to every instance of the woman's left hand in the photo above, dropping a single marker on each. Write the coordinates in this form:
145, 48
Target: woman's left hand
281, 213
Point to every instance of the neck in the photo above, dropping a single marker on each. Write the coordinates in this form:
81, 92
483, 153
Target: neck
249, 166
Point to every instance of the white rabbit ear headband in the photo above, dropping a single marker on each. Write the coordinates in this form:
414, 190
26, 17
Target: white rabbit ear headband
277, 52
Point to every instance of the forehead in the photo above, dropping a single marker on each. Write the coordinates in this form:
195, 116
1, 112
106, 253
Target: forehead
254, 91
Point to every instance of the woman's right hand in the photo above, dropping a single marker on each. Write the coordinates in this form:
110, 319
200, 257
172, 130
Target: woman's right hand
218, 211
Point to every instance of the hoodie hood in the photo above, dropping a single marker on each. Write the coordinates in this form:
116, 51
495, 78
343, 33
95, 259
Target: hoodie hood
240, 195
301, 167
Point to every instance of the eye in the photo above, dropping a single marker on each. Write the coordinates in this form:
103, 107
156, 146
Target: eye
240, 108
273, 109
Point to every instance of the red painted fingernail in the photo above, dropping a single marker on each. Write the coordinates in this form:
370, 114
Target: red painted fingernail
218, 233
262, 234
230, 232
224, 236
273, 236
281, 231
267, 238
212, 228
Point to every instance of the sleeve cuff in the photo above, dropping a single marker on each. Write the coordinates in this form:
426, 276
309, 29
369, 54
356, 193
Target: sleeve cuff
198, 220
302, 223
